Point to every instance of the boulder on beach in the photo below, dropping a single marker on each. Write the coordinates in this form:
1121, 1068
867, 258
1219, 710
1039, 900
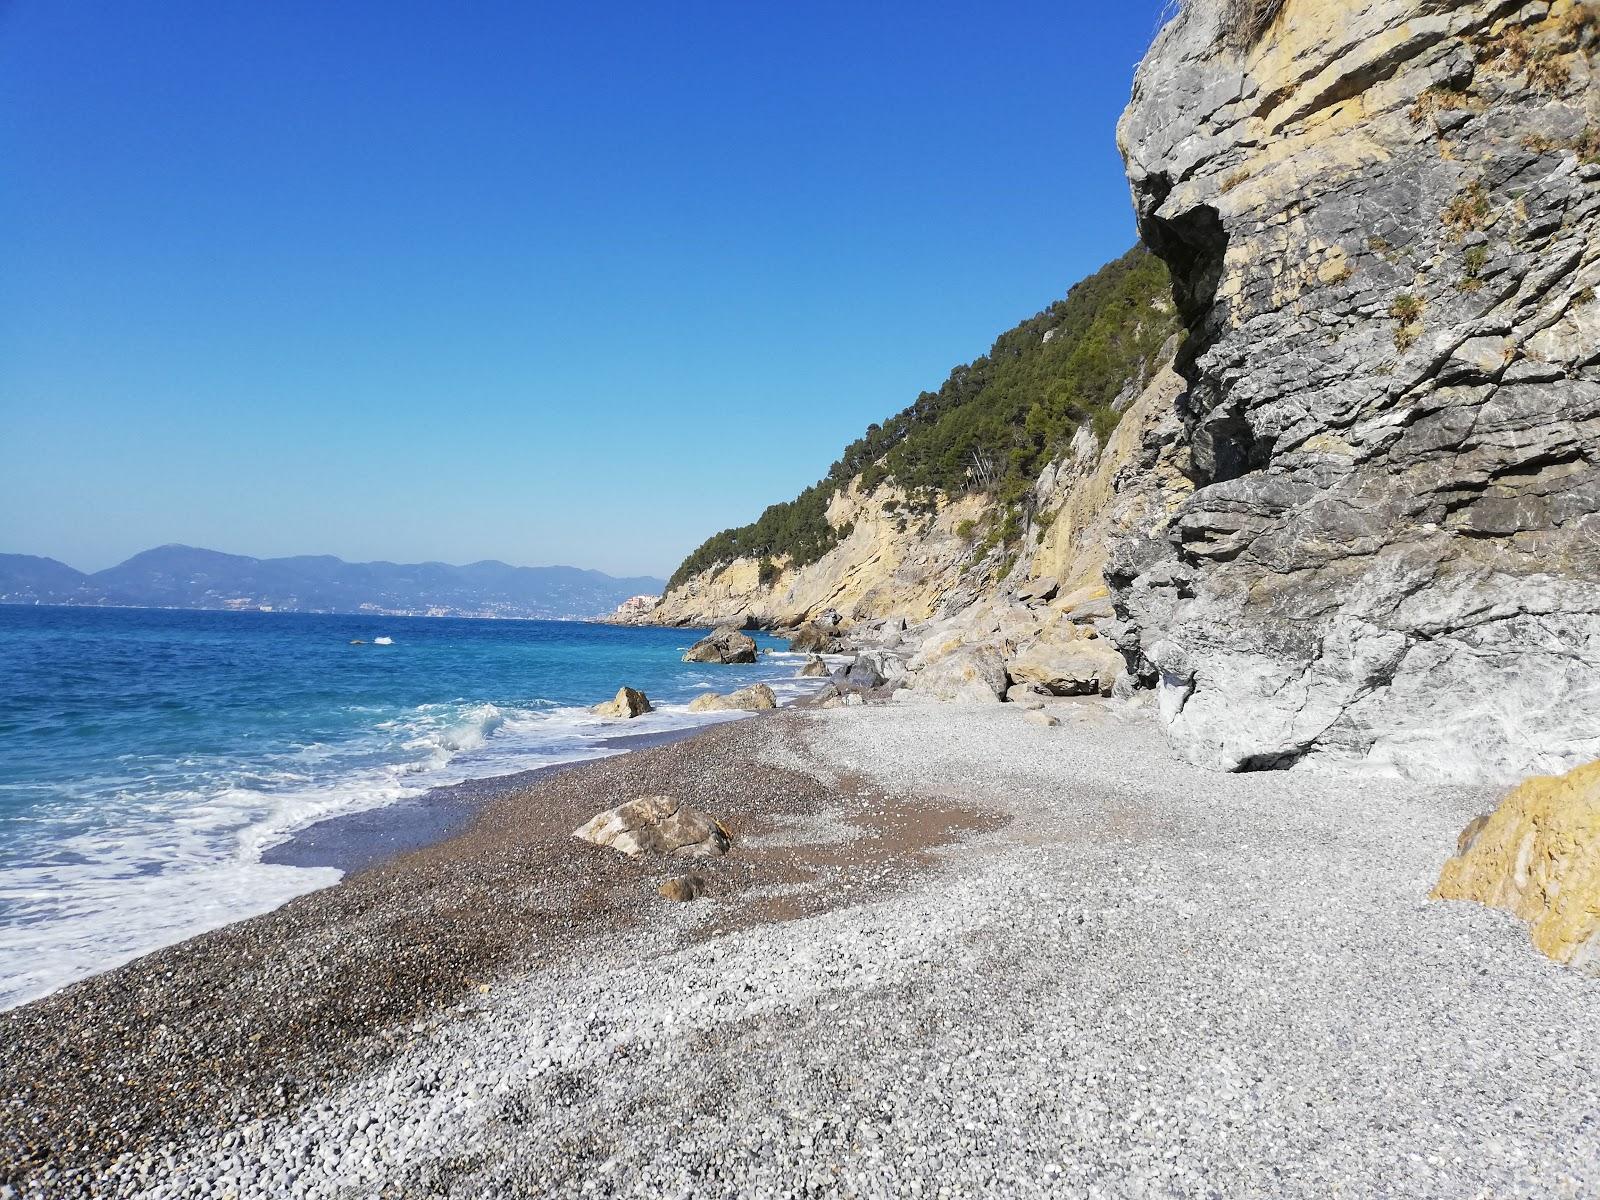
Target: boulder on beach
1067, 660
725, 645
756, 698
968, 675
1029, 695
629, 703
1538, 856
656, 825
860, 675
886, 631
888, 664
811, 639
816, 668
834, 698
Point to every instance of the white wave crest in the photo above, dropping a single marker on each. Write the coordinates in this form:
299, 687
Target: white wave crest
172, 864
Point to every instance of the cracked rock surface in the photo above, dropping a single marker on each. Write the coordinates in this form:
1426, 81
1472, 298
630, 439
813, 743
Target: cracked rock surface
1382, 223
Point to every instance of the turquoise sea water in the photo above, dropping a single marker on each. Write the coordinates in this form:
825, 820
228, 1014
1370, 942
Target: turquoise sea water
148, 758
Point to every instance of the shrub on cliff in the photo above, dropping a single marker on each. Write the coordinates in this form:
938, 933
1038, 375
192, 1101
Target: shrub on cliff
994, 423
1245, 22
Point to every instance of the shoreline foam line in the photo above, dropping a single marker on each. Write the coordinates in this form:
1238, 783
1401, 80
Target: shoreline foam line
238, 851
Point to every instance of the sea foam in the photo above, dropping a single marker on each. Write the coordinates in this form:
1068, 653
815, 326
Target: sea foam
156, 829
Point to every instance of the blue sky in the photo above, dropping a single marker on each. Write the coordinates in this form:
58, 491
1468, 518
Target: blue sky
547, 283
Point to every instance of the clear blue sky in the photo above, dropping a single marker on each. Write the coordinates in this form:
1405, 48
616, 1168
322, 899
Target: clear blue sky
574, 283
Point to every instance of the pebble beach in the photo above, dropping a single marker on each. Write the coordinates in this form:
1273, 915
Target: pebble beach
952, 952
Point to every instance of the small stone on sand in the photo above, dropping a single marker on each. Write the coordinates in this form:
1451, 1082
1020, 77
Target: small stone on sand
683, 888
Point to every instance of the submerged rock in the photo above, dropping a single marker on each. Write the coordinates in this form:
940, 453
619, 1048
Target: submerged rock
755, 698
1538, 856
629, 703
656, 825
726, 645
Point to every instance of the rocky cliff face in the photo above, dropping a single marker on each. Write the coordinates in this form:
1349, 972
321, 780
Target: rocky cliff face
887, 564
1383, 222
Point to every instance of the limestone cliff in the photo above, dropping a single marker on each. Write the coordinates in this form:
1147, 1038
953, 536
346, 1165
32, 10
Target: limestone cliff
883, 564
918, 568
1383, 223
953, 495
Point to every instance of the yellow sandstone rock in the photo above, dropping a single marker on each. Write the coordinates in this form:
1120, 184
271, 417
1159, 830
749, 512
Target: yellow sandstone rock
1538, 856
755, 698
629, 703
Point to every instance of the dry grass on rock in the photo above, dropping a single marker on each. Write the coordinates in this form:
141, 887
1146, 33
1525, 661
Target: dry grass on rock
1245, 22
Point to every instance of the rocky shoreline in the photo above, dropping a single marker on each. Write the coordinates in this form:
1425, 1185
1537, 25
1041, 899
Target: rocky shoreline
1028, 643
1126, 873
974, 954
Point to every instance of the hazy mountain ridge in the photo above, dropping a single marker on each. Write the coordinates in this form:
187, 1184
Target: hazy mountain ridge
175, 576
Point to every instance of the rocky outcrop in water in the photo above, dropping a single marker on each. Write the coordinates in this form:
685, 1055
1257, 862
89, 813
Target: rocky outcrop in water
628, 703
723, 646
1383, 222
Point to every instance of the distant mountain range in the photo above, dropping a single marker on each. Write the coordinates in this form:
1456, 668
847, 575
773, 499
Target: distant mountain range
186, 577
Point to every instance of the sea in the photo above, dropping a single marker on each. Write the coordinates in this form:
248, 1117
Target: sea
151, 760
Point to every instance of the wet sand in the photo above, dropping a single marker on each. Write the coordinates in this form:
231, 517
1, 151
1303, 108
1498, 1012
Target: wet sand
358, 841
